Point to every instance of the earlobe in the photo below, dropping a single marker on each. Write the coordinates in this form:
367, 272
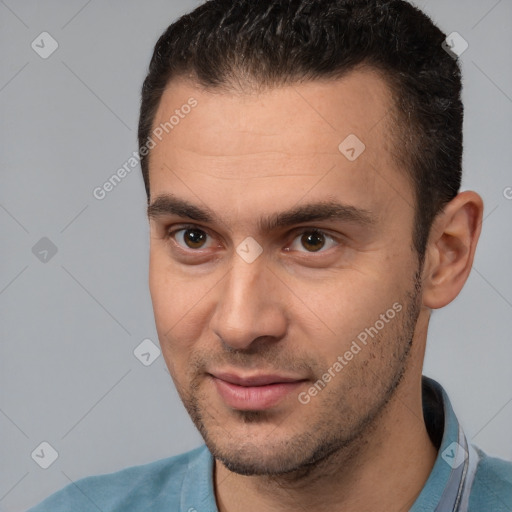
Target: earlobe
451, 249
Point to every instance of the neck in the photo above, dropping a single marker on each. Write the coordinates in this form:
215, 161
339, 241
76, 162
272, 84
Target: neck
384, 469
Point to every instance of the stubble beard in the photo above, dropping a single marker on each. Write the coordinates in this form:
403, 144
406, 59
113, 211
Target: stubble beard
336, 436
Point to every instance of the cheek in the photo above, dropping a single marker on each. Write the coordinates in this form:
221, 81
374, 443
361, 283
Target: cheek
347, 301
366, 317
179, 303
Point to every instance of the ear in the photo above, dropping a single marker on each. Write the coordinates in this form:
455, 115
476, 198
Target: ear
451, 249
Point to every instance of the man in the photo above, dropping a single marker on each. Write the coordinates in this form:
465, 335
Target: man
302, 161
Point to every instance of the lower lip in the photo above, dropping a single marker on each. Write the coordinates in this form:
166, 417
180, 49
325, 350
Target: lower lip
254, 398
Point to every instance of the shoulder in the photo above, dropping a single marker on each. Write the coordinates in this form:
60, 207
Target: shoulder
150, 486
492, 487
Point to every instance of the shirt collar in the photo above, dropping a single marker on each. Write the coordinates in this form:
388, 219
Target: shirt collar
447, 488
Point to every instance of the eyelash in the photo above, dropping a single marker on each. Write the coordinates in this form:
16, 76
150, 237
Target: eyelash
170, 234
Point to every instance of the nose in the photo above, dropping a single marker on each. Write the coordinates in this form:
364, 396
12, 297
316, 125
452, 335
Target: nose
249, 306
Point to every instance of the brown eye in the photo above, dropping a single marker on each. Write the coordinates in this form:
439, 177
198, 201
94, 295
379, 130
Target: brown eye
313, 241
191, 238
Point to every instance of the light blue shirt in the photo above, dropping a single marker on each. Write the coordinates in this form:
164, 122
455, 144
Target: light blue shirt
463, 478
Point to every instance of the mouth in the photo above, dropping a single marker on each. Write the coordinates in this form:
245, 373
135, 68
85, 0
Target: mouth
255, 392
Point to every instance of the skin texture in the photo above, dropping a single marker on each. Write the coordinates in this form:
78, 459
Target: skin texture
360, 443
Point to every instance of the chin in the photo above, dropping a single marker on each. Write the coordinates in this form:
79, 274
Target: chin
269, 456
258, 462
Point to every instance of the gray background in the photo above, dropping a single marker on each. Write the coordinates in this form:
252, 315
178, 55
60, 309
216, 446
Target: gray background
69, 325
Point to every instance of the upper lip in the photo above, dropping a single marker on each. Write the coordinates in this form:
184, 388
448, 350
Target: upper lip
254, 380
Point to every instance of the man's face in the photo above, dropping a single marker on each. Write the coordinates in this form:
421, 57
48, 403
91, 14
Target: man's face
274, 257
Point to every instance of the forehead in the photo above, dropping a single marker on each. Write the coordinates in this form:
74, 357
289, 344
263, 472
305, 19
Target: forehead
289, 113
282, 140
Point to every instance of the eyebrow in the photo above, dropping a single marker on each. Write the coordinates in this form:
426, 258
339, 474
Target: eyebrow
169, 204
